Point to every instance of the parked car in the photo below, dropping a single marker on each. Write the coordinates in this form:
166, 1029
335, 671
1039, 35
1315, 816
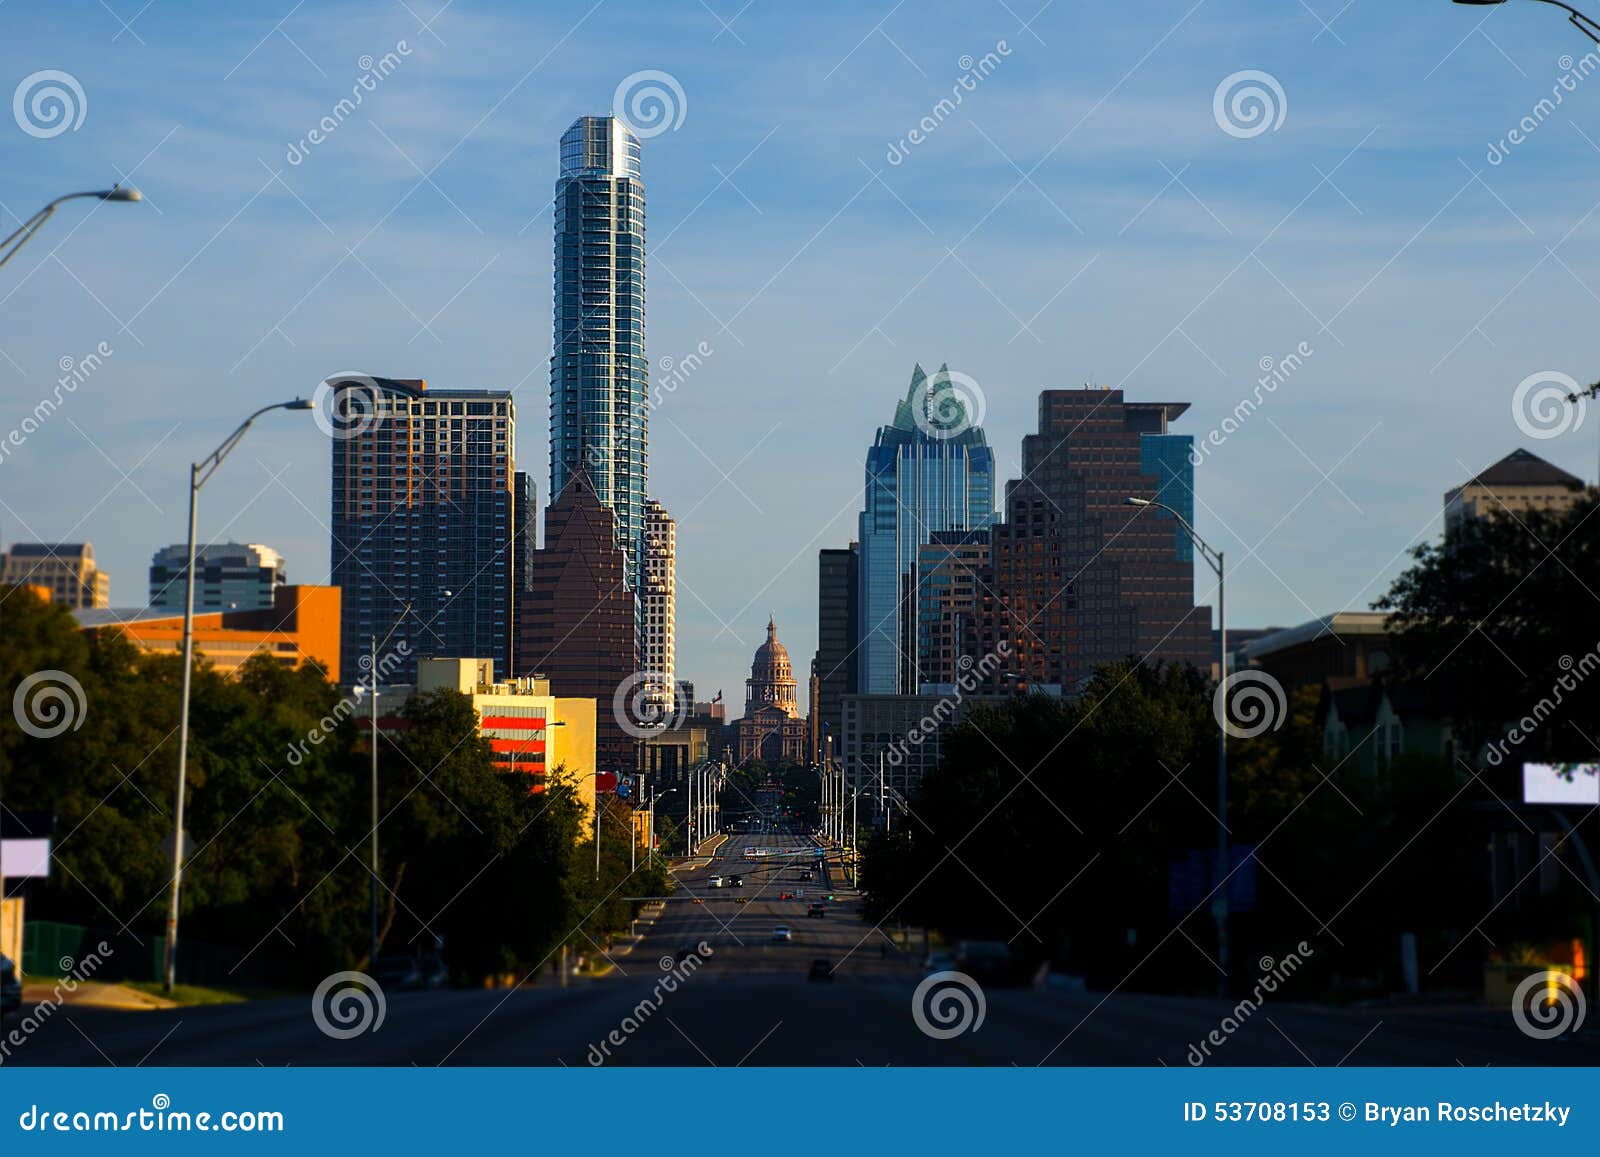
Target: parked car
398, 973
10, 987
821, 970
985, 960
782, 932
817, 910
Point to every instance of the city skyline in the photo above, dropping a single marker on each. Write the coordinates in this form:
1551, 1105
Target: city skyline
1329, 454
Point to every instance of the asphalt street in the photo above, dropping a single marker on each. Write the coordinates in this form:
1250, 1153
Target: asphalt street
749, 1002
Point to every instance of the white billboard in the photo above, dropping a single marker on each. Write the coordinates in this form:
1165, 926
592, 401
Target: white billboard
1575, 784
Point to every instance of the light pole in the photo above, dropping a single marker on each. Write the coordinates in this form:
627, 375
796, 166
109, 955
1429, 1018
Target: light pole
650, 825
199, 474
1577, 19
1219, 902
19, 238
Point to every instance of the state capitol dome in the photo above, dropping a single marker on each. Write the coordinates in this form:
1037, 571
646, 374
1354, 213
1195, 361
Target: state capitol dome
771, 682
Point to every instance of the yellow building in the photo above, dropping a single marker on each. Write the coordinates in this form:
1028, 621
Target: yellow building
65, 569
529, 730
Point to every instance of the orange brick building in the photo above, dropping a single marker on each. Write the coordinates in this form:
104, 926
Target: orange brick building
302, 624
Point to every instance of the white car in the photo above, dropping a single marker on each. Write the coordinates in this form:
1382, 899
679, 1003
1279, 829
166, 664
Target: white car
715, 882
781, 932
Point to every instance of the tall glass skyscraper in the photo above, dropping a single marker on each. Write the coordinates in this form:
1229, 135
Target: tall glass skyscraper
599, 380
929, 470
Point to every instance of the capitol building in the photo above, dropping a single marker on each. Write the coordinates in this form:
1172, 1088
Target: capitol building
772, 729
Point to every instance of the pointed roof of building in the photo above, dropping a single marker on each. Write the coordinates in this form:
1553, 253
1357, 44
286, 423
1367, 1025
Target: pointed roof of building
936, 408
1524, 468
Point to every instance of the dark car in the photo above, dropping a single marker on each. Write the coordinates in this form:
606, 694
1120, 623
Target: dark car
985, 960
821, 970
735, 881
817, 910
10, 987
401, 972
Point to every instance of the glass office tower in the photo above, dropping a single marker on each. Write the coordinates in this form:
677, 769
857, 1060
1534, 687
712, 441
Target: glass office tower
599, 381
922, 477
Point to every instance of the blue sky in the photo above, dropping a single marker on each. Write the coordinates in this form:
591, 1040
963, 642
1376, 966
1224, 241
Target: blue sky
1081, 217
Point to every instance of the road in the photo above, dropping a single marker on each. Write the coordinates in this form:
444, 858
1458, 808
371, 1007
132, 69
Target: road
750, 1003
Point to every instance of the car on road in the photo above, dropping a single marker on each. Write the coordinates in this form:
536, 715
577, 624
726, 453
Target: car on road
715, 882
10, 987
817, 910
821, 970
405, 972
782, 932
684, 952
786, 895
985, 960
805, 874
735, 881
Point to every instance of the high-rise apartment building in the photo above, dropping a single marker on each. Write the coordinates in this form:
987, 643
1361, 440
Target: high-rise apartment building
229, 576
838, 631
576, 623
929, 470
599, 379
952, 570
424, 521
1079, 577
658, 602
65, 569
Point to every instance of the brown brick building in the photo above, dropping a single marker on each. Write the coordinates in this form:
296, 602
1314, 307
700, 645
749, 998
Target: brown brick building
575, 622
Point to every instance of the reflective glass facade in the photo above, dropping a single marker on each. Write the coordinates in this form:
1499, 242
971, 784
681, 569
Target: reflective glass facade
599, 379
921, 478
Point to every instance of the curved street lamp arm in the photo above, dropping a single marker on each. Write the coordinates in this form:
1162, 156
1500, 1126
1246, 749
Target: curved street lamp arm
201, 471
20, 236
1577, 19
1212, 556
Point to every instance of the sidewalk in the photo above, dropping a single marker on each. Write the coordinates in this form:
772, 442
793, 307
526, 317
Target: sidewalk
91, 994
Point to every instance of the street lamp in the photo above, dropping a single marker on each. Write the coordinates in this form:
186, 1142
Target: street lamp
9, 247
199, 474
1219, 902
1577, 19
